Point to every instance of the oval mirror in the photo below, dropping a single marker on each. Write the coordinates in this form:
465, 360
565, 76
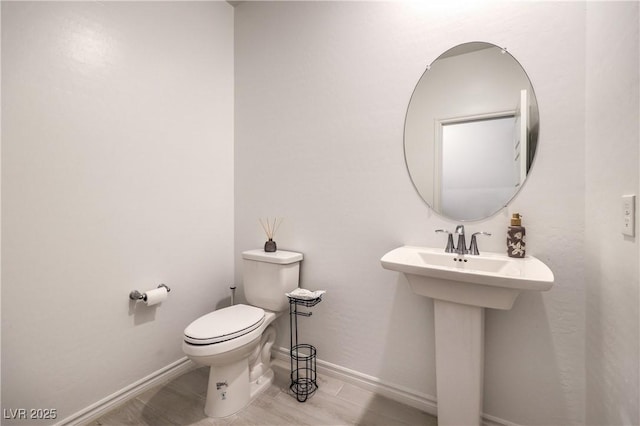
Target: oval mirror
471, 131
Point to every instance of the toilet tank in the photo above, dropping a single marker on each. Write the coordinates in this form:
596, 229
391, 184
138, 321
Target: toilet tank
268, 276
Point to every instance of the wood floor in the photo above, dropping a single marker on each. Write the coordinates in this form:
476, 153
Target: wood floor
181, 402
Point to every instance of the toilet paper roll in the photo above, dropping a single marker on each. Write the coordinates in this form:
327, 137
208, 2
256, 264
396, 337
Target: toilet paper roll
155, 296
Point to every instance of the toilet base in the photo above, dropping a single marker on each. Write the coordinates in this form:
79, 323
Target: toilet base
230, 390
237, 377
261, 384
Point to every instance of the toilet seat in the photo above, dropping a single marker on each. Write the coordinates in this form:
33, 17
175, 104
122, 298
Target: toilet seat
224, 324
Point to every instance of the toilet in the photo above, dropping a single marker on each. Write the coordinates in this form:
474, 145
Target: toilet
236, 341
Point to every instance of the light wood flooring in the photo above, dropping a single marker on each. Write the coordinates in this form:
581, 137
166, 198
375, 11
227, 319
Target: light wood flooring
181, 402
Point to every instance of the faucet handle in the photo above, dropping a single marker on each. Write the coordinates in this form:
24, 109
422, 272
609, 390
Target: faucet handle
450, 248
473, 247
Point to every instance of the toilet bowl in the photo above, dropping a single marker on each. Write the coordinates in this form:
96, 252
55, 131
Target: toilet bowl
236, 341
233, 342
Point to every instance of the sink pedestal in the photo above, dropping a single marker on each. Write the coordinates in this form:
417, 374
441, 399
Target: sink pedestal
461, 288
459, 334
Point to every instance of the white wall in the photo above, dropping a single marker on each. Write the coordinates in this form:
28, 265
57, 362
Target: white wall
117, 163
612, 353
117, 174
321, 95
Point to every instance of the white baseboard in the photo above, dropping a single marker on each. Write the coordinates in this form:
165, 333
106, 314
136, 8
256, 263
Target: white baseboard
412, 398
421, 401
488, 420
101, 407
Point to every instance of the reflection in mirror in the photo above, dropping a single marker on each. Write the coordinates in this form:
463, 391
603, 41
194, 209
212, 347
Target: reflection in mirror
471, 131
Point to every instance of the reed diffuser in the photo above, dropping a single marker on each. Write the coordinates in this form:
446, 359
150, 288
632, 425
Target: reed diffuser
270, 229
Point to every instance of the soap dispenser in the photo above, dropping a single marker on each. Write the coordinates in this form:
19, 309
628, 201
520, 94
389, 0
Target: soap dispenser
516, 237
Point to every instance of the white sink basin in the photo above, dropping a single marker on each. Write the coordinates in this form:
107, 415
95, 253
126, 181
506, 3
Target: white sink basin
490, 280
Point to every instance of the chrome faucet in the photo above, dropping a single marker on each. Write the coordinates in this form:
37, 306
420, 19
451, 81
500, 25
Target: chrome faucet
473, 247
450, 247
462, 244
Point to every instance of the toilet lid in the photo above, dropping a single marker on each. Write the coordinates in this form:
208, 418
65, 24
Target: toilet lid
224, 324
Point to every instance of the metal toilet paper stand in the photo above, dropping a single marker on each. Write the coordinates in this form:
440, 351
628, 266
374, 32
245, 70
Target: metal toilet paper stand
303, 356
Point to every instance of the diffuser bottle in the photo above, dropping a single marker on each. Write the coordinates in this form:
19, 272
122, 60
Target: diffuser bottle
516, 237
270, 246
270, 229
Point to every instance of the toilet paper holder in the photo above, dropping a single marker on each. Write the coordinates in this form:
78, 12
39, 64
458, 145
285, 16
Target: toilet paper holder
136, 295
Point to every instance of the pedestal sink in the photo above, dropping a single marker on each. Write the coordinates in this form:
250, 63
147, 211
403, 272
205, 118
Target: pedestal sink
462, 286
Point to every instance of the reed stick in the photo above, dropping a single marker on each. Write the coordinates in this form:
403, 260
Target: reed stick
264, 227
270, 227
